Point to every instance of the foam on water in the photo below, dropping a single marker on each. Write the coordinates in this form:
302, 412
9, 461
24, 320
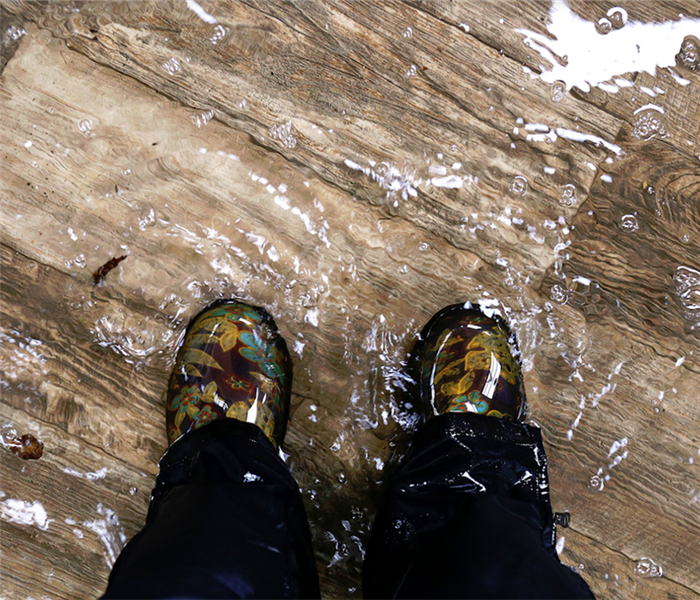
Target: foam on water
24, 513
320, 287
580, 56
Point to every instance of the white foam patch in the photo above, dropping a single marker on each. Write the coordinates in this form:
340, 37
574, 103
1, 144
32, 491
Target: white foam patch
594, 59
90, 475
450, 182
200, 12
110, 533
24, 513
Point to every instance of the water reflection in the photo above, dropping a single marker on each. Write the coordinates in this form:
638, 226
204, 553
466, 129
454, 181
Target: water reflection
586, 54
204, 212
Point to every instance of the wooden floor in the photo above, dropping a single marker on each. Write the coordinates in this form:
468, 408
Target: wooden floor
354, 167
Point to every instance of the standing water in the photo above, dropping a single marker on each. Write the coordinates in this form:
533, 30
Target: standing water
352, 169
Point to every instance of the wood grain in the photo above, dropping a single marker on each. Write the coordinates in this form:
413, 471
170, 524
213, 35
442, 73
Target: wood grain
137, 129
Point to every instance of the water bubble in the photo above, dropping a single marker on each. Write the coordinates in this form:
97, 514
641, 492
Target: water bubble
629, 223
648, 124
568, 195
408, 33
558, 91
132, 491
646, 567
618, 17
519, 186
603, 26
147, 218
559, 294
85, 126
689, 55
342, 478
687, 282
14, 33
596, 484
283, 133
172, 65
411, 71
218, 34
201, 119
80, 261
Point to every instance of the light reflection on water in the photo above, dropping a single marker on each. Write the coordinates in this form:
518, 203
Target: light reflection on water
341, 270
584, 55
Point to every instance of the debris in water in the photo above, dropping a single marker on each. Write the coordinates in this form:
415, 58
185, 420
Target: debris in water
26, 447
101, 273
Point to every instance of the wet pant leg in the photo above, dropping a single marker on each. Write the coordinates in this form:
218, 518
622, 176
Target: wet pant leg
226, 520
468, 515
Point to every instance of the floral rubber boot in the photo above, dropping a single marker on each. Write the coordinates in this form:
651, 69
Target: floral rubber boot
465, 361
233, 363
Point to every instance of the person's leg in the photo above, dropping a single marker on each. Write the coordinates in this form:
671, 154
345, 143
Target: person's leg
226, 518
467, 515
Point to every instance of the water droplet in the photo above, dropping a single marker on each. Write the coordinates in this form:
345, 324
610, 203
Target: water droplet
559, 294
14, 33
172, 66
85, 126
646, 567
687, 282
147, 218
519, 186
689, 55
618, 17
603, 26
568, 195
558, 91
596, 484
648, 124
218, 34
201, 119
342, 478
80, 261
629, 223
283, 133
132, 491
408, 33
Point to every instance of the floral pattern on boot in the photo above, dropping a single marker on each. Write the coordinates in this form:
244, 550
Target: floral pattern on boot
233, 363
466, 361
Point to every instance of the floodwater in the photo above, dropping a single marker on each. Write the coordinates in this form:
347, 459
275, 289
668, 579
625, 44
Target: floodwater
346, 251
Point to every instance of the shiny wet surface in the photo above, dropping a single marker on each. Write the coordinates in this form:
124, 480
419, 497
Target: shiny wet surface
353, 170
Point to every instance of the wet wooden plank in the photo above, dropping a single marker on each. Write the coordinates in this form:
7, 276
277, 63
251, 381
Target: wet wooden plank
74, 508
58, 374
93, 482
614, 575
638, 229
635, 232
115, 166
462, 100
495, 23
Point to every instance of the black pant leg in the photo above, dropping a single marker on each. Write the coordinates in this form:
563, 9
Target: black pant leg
226, 520
468, 515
